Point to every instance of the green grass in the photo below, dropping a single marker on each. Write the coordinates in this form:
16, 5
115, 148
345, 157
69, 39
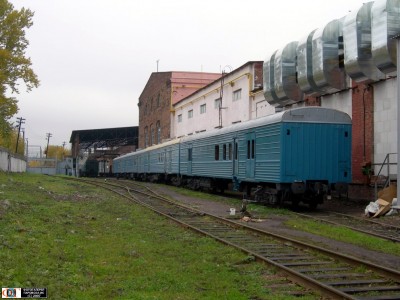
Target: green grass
343, 234
339, 233
81, 242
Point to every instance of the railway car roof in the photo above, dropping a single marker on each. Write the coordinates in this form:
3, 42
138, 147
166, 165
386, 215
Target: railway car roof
301, 114
165, 144
308, 114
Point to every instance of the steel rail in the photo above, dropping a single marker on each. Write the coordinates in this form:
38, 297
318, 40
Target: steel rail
298, 276
369, 232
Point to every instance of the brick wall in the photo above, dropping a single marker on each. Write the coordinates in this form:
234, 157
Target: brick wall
363, 130
154, 106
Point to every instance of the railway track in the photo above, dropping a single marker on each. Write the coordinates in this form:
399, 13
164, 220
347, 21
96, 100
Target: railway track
335, 275
364, 225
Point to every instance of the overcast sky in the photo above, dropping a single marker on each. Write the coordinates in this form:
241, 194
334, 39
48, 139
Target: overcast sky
94, 57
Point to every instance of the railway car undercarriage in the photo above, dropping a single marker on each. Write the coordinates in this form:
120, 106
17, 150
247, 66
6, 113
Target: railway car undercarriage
311, 193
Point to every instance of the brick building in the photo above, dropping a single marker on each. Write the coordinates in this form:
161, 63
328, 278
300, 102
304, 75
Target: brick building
162, 90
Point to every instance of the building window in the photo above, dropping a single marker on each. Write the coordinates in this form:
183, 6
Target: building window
217, 103
158, 127
152, 140
237, 95
146, 136
158, 100
180, 118
190, 114
203, 109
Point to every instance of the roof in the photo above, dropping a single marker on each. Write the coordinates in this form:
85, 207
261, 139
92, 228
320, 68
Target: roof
106, 137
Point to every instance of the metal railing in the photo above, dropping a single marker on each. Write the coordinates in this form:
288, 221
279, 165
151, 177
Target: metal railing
386, 163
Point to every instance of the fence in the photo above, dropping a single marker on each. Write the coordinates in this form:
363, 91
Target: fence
10, 162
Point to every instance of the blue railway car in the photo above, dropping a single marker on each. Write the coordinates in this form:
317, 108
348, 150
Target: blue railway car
294, 155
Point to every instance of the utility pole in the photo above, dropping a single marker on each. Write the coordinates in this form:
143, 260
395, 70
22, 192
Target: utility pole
20, 122
63, 144
48, 135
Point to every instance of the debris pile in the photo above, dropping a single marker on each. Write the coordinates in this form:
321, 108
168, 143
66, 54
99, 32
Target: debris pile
386, 204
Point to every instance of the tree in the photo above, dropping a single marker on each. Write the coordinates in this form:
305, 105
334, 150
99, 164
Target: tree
10, 141
14, 65
58, 152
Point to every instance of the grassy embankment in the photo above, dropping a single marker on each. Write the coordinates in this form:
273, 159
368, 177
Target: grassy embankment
84, 243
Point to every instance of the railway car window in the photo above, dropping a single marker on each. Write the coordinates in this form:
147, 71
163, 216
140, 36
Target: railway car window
216, 152
224, 152
251, 149
346, 134
190, 154
230, 152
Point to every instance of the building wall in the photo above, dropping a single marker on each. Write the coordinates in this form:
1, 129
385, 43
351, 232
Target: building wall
155, 102
189, 116
10, 162
385, 121
362, 133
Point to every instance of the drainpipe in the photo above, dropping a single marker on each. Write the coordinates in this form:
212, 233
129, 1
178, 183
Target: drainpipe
398, 118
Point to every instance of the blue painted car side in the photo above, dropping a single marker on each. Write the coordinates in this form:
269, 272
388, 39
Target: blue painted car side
303, 150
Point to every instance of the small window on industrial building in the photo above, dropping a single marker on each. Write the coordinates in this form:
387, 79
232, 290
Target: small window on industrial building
190, 114
180, 118
216, 152
237, 95
158, 128
217, 103
202, 109
158, 101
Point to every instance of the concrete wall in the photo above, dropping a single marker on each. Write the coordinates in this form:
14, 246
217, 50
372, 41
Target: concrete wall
385, 121
10, 162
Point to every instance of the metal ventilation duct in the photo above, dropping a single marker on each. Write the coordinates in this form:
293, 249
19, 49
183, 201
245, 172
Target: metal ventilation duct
327, 51
358, 60
385, 26
304, 65
268, 80
286, 87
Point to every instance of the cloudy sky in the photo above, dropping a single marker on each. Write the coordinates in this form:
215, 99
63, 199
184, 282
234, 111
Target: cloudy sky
94, 57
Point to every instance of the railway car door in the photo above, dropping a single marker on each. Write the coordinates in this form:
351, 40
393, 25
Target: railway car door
190, 159
165, 161
235, 166
251, 154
